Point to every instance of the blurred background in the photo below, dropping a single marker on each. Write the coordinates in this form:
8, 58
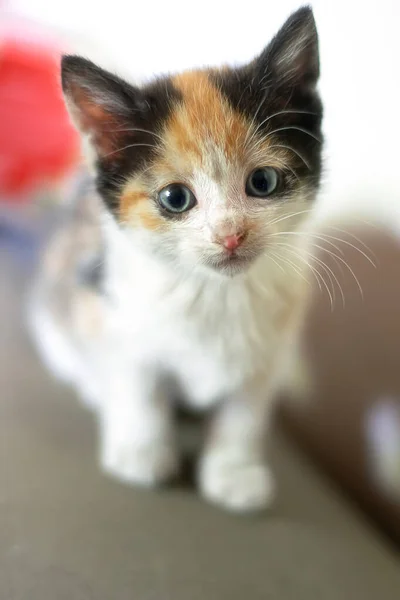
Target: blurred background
349, 427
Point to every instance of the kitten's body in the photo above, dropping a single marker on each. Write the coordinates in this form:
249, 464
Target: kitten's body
175, 311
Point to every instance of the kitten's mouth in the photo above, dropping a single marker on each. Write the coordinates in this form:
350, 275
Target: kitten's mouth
231, 264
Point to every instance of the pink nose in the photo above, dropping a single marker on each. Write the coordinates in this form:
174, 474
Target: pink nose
231, 242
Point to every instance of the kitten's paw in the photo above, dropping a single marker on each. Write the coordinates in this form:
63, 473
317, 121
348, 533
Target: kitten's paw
237, 486
148, 465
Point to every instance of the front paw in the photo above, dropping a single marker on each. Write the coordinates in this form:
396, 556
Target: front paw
145, 465
243, 485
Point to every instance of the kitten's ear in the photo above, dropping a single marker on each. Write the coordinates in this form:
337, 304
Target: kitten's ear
101, 104
292, 57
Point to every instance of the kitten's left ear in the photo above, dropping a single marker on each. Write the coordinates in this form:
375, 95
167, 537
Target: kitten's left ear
292, 57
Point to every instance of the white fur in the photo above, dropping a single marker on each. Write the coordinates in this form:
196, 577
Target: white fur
56, 350
61, 355
215, 336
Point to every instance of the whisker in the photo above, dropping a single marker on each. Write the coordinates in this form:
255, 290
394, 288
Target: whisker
329, 273
294, 151
308, 234
340, 269
325, 268
349, 268
294, 267
133, 130
315, 271
336, 259
126, 147
355, 248
326, 238
281, 112
312, 269
323, 239
261, 103
357, 240
284, 166
317, 275
278, 220
271, 255
344, 262
297, 128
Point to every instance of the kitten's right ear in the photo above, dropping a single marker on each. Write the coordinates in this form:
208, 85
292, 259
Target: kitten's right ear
101, 104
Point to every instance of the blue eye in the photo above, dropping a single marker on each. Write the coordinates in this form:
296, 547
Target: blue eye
176, 198
262, 182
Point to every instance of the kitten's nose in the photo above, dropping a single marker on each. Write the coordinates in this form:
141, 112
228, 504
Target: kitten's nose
231, 242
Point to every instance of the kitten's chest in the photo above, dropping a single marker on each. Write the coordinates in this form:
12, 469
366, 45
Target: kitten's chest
209, 353
210, 339
211, 359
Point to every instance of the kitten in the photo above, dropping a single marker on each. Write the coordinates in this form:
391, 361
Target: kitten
205, 181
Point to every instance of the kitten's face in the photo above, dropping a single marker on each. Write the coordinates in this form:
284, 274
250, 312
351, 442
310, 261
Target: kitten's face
206, 167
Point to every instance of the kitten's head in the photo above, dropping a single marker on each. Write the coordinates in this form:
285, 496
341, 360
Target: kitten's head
203, 168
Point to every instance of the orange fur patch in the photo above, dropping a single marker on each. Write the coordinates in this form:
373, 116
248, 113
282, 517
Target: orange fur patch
204, 115
137, 206
129, 199
148, 215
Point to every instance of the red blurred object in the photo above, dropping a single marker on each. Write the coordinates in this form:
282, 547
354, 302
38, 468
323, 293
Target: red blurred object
37, 141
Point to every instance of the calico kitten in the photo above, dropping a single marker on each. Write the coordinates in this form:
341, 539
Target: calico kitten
205, 181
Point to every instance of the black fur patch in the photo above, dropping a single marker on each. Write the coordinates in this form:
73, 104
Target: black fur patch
118, 116
279, 100
276, 108
139, 146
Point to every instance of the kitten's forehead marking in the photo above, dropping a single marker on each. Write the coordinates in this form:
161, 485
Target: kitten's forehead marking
205, 131
203, 124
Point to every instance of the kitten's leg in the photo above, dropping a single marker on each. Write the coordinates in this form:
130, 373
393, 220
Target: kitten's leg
233, 472
137, 438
